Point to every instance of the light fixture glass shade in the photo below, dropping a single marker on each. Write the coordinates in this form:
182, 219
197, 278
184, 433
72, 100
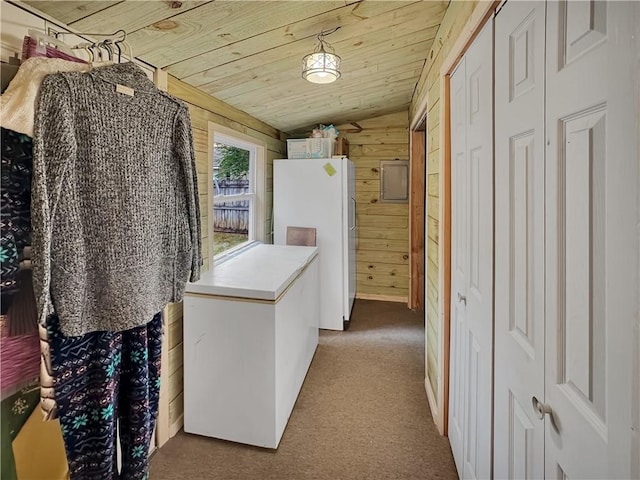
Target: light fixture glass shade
321, 67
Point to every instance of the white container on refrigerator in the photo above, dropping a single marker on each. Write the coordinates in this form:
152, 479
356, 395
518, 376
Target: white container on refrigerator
320, 193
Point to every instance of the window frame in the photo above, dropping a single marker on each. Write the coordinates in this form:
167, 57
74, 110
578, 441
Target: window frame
257, 179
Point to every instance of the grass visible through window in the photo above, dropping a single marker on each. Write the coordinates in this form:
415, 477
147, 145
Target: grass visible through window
224, 241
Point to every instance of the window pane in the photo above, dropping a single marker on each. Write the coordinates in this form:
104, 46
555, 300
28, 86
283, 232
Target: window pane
231, 166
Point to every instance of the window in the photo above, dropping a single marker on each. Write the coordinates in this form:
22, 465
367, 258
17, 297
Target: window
236, 191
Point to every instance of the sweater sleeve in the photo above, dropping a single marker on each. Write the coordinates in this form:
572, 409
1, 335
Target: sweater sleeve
184, 150
54, 148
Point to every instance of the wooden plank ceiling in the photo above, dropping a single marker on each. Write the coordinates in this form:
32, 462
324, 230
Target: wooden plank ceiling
249, 53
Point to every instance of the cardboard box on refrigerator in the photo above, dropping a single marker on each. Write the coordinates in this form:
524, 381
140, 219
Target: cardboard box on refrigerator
342, 147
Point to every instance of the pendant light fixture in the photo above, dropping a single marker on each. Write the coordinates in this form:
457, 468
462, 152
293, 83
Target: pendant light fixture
323, 65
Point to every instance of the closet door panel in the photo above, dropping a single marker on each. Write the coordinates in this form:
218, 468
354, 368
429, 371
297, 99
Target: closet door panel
592, 277
472, 258
459, 264
519, 239
479, 287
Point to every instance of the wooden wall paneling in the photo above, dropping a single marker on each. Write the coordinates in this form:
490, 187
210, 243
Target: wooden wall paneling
200, 139
416, 220
389, 293
201, 99
381, 222
175, 334
200, 118
176, 414
399, 152
382, 257
382, 209
173, 363
368, 185
433, 113
384, 233
433, 163
451, 26
433, 207
369, 279
388, 245
383, 229
202, 162
380, 268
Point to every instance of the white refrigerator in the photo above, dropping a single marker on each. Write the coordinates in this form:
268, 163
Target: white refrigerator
320, 193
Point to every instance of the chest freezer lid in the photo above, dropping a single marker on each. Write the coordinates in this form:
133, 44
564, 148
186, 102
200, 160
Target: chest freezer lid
262, 272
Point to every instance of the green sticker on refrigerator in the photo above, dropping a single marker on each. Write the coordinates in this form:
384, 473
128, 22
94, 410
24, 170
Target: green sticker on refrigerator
329, 169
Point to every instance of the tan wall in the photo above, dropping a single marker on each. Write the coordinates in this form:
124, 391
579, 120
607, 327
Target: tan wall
455, 18
383, 229
203, 109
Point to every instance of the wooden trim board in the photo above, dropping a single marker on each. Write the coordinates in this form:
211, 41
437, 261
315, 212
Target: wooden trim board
381, 298
417, 208
431, 398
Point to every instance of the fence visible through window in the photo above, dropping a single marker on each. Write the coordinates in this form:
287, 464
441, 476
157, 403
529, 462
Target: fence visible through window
233, 196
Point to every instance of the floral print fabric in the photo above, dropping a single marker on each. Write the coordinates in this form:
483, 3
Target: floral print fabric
15, 208
107, 382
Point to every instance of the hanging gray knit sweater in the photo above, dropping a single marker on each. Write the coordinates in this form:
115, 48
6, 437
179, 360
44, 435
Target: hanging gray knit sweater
116, 221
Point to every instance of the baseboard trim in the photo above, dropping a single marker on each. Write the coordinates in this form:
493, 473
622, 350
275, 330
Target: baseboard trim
382, 298
435, 413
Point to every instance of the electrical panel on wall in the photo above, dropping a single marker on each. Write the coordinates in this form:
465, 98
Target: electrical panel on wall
394, 181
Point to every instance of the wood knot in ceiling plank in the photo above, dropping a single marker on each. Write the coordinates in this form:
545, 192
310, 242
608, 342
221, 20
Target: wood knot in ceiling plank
165, 25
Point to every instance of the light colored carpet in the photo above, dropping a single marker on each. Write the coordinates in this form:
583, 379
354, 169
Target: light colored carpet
362, 414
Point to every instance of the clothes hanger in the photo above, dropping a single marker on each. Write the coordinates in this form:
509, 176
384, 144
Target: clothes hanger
107, 44
127, 46
94, 54
43, 40
89, 53
117, 44
108, 47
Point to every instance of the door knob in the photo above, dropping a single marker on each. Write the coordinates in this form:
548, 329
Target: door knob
540, 408
462, 299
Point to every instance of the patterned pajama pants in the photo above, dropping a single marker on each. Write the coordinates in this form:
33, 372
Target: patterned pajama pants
107, 382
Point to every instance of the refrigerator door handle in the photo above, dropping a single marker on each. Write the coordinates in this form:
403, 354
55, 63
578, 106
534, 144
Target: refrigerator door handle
355, 218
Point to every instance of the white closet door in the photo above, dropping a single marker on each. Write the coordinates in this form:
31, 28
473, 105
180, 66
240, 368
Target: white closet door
472, 258
519, 238
479, 288
592, 247
459, 249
